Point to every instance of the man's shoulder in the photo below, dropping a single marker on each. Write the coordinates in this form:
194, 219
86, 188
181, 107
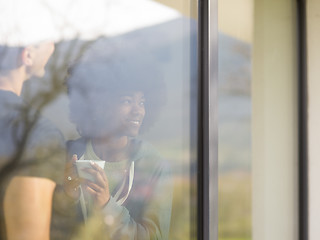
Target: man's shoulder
45, 134
19, 121
30, 141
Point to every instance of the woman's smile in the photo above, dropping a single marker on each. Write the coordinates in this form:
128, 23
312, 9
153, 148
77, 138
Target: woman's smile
135, 122
128, 114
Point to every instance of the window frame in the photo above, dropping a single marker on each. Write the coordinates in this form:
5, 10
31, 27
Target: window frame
303, 120
208, 120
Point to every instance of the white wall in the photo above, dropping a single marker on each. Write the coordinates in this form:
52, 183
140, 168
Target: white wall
274, 121
313, 33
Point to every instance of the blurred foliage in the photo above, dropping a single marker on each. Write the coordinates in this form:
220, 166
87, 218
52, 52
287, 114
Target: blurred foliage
235, 206
183, 218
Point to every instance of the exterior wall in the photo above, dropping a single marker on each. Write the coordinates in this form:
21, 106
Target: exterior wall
313, 33
235, 18
186, 7
274, 121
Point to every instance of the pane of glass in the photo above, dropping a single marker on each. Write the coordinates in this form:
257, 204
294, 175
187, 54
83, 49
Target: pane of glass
111, 81
235, 43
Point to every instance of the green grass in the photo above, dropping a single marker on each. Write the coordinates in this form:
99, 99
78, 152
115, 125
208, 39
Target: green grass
235, 206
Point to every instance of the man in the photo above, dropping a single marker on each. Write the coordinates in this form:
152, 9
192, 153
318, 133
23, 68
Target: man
31, 148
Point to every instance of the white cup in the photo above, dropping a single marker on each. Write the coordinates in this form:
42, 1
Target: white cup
83, 164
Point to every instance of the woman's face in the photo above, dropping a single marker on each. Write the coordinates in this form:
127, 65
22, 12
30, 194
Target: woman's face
126, 115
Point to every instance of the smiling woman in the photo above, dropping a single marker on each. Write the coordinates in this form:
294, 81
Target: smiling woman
111, 98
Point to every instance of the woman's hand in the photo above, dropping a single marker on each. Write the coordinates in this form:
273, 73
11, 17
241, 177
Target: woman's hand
71, 179
99, 189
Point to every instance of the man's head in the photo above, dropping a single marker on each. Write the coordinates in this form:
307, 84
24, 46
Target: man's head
34, 58
31, 59
27, 33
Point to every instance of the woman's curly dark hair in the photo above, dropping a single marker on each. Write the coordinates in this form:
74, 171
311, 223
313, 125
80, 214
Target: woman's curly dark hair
106, 68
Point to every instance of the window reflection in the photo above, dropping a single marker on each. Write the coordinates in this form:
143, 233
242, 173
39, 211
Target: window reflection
118, 85
30, 145
235, 43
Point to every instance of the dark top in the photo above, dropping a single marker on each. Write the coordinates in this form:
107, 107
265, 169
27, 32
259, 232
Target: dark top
144, 215
29, 146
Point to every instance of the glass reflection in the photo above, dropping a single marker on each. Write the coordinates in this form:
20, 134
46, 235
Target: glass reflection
121, 84
235, 43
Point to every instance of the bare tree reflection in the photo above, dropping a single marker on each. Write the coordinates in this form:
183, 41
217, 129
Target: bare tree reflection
40, 94
28, 114
30, 146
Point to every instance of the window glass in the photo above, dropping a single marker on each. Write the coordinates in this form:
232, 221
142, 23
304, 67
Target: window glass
235, 44
98, 119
